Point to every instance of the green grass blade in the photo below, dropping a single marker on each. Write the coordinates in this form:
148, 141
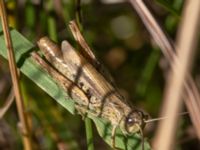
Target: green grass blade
89, 134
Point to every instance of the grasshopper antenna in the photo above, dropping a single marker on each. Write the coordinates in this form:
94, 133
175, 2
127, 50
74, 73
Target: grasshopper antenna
161, 118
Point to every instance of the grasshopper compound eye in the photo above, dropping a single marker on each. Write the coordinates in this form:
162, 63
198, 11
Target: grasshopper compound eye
135, 121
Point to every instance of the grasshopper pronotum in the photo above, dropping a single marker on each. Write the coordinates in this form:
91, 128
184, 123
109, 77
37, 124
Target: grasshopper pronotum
90, 89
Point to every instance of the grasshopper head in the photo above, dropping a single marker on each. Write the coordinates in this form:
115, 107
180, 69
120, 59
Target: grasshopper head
135, 121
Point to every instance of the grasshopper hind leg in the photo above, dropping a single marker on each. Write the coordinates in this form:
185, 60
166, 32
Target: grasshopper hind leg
81, 111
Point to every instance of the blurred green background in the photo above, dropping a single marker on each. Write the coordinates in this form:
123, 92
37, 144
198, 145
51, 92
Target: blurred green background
120, 41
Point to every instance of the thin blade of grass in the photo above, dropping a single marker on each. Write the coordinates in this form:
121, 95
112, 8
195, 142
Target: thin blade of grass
7, 104
186, 45
89, 134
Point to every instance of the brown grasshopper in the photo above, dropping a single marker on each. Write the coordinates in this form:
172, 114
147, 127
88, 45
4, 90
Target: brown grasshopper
82, 77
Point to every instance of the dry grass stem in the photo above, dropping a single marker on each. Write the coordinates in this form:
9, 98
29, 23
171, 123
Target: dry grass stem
192, 97
7, 104
12, 65
186, 44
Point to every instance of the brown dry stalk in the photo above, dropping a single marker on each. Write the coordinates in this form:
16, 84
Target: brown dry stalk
192, 97
186, 45
7, 104
15, 79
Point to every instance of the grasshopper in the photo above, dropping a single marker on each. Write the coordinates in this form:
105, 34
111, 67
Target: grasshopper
81, 75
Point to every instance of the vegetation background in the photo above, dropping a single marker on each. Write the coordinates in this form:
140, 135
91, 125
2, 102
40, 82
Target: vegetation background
120, 41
